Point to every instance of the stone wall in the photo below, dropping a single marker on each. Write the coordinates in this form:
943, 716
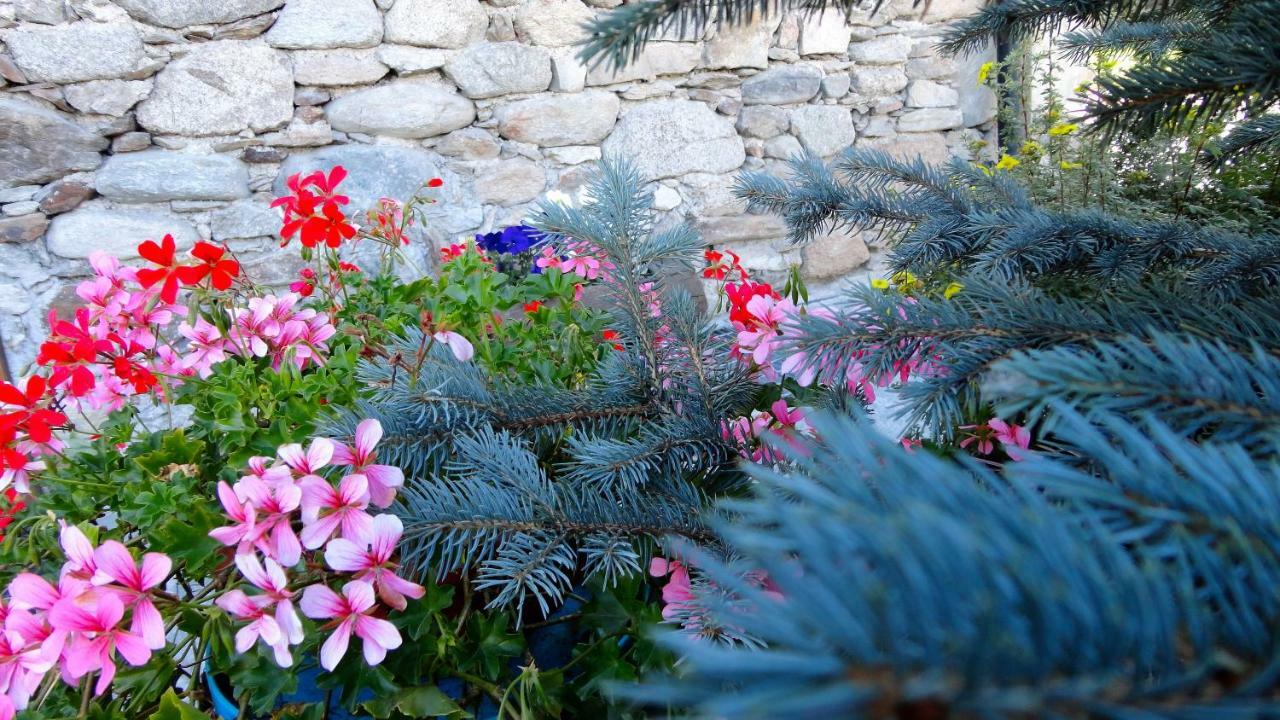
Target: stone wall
122, 120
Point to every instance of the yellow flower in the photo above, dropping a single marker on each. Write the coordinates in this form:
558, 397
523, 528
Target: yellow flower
880, 284
1066, 165
1007, 162
904, 278
1031, 147
952, 289
1063, 129
984, 72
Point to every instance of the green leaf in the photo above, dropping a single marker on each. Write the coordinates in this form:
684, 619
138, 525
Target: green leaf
142, 685
494, 643
172, 708
427, 701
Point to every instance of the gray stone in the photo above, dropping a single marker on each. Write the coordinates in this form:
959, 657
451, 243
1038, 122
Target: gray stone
666, 198
930, 119
930, 147
262, 155
26, 207
501, 29
763, 121
436, 23
835, 86
657, 58
76, 52
245, 29
184, 13
879, 127
886, 50
732, 230
833, 255
244, 219
555, 120
469, 144
326, 24
337, 67
221, 88
159, 175
378, 171
782, 85
9, 71
783, 147
38, 145
923, 93
568, 74
670, 138
741, 46
574, 154
116, 231
22, 229
823, 130
931, 67
19, 193
489, 69
410, 60
402, 108
63, 196
49, 12
824, 33
106, 97
977, 102
879, 80
307, 97
131, 142
510, 182
552, 23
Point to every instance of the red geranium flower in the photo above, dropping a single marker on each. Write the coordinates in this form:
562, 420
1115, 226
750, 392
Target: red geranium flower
168, 272
435, 183
312, 209
222, 272
612, 336
31, 416
532, 307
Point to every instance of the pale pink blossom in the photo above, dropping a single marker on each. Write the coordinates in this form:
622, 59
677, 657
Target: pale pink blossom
206, 346
307, 464
20, 478
97, 638
350, 611
677, 595
133, 583
326, 509
243, 530
369, 557
278, 629
384, 480
274, 505
460, 346
79, 552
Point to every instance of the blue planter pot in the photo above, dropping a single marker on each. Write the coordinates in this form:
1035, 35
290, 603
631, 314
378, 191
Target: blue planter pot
309, 691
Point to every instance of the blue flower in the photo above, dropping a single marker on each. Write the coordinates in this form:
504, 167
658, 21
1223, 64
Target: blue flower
510, 241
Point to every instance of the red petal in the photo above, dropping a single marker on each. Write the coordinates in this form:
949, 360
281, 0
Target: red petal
11, 395
208, 252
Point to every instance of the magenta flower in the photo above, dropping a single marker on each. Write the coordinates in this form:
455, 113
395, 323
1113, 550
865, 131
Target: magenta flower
273, 506
677, 595
242, 514
1011, 436
326, 509
278, 630
350, 611
79, 552
383, 479
97, 638
133, 583
207, 347
369, 557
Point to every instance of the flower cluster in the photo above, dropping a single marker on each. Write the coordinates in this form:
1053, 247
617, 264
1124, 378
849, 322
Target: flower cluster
78, 624
983, 437
313, 210
579, 258
286, 507
781, 422
512, 240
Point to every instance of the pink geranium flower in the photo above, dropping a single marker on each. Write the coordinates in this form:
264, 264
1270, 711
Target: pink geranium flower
307, 464
278, 630
350, 612
460, 346
244, 519
98, 638
133, 583
79, 552
274, 505
677, 595
383, 479
369, 557
326, 509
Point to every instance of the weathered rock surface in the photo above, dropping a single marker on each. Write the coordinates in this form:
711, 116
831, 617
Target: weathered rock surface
885, 50
674, 137
824, 33
469, 144
554, 120
782, 85
63, 196
552, 23
436, 23
926, 94
729, 231
402, 108
742, 46
763, 121
116, 231
337, 67
410, 60
244, 219
879, 80
930, 119
221, 88
823, 130
489, 69
510, 182
326, 24
38, 145
23, 228
106, 97
157, 175
76, 52
181, 13
833, 255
